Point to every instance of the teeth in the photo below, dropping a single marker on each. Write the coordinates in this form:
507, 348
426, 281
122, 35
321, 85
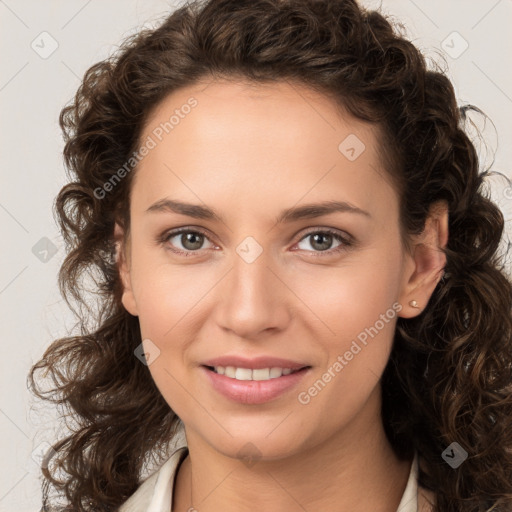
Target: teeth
248, 374
243, 374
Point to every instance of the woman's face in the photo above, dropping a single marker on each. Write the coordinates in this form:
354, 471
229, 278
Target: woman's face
258, 271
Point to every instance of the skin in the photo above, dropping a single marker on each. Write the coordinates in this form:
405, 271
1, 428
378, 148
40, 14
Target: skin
249, 151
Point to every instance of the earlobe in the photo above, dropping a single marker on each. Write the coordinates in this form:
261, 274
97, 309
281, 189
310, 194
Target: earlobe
123, 261
426, 263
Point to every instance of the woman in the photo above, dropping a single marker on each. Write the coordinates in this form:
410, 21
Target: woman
298, 268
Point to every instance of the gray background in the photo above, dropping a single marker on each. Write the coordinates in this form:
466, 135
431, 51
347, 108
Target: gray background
34, 86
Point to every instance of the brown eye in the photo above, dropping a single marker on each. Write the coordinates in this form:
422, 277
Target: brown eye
191, 241
185, 241
322, 241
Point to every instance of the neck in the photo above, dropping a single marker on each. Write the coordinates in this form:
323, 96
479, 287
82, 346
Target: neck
356, 469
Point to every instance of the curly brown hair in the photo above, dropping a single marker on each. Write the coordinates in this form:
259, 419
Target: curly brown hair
450, 371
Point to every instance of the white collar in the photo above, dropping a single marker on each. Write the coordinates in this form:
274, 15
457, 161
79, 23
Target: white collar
409, 501
155, 493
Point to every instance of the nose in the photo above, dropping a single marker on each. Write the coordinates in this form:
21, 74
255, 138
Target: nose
254, 300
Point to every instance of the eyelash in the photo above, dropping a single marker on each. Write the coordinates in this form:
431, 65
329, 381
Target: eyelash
346, 242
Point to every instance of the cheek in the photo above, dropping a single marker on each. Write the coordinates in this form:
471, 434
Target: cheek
354, 295
166, 294
358, 308
358, 318
167, 300
357, 354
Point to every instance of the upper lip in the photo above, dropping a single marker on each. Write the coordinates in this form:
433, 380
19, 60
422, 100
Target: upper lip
254, 363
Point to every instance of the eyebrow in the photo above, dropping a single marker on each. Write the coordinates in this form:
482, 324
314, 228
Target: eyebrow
307, 211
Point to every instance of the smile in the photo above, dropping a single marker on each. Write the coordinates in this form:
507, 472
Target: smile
252, 374
253, 386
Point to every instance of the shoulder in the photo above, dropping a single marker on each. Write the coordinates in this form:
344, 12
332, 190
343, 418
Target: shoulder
156, 490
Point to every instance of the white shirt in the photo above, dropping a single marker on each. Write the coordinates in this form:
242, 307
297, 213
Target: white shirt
155, 493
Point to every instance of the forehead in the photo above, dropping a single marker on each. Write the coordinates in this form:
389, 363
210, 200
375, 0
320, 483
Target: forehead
232, 137
242, 108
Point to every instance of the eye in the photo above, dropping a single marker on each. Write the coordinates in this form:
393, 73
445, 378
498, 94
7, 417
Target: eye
322, 240
185, 240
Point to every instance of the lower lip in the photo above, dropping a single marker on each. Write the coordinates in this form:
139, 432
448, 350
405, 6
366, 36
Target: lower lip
253, 391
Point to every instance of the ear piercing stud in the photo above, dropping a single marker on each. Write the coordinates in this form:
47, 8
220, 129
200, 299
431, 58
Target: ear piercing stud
413, 304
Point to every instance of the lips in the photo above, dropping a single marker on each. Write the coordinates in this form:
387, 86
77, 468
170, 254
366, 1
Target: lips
246, 380
253, 392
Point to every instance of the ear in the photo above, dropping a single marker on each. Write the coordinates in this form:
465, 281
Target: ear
425, 262
123, 261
